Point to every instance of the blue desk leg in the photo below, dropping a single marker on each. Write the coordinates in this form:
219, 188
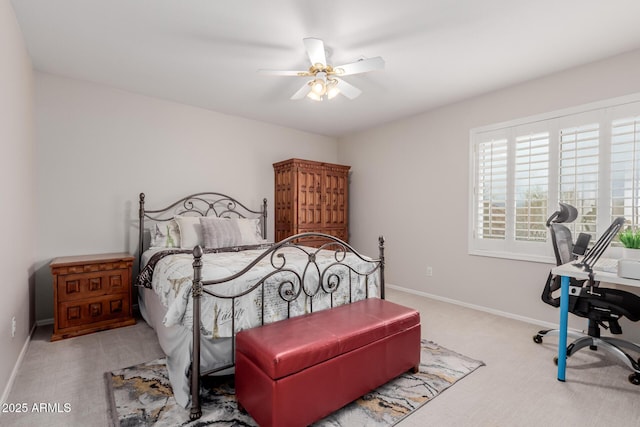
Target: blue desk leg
562, 337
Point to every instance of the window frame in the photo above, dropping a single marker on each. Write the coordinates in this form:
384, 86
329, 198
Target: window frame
602, 112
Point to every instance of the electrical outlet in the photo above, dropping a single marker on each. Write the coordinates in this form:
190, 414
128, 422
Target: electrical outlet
429, 271
13, 326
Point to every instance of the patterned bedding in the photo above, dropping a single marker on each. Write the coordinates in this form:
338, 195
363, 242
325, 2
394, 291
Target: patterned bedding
172, 276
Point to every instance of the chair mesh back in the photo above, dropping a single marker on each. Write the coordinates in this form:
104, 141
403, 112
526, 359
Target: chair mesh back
562, 243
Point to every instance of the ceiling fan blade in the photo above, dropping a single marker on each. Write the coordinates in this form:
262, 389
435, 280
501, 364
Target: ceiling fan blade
315, 50
361, 66
347, 89
302, 92
267, 72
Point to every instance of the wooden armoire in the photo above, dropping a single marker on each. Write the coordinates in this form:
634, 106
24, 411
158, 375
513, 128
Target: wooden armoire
311, 197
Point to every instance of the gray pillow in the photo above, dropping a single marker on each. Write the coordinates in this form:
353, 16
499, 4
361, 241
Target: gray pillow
230, 232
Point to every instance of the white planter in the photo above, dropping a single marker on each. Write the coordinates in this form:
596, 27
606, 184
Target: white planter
628, 253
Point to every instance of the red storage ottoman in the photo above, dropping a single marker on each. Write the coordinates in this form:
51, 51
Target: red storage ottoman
299, 370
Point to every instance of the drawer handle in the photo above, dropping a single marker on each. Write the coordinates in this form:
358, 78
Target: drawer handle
95, 309
95, 284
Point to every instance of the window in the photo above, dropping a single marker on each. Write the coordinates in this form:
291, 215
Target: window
578, 174
625, 169
588, 157
492, 186
531, 183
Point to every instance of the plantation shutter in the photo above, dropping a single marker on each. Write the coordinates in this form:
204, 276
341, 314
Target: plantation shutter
587, 156
531, 187
491, 190
578, 174
625, 169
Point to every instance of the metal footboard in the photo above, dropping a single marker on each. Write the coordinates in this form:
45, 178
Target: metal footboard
288, 282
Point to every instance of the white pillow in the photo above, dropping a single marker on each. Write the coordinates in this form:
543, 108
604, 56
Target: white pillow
230, 232
165, 235
190, 231
250, 231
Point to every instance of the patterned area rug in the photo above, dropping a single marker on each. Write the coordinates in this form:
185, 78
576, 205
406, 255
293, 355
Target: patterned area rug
141, 395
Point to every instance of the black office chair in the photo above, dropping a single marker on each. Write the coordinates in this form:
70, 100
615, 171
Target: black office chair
602, 306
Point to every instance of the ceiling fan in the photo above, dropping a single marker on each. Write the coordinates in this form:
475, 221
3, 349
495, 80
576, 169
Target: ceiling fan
325, 79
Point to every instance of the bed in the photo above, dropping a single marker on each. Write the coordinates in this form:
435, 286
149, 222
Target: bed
208, 272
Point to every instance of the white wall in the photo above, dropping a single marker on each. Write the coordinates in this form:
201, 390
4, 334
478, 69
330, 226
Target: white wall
17, 195
98, 148
410, 182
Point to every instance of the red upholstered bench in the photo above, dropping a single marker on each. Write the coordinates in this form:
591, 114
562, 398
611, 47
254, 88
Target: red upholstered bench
297, 371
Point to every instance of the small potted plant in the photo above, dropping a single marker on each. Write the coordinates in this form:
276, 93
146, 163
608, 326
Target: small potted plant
630, 239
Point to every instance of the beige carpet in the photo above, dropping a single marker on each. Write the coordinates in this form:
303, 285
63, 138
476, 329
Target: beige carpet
517, 387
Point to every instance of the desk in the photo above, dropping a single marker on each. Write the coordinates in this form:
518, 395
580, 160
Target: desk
566, 271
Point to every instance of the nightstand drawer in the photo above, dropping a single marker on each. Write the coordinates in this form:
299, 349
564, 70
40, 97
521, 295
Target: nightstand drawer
94, 310
84, 285
91, 267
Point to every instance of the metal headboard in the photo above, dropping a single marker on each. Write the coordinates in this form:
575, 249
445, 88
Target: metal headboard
199, 204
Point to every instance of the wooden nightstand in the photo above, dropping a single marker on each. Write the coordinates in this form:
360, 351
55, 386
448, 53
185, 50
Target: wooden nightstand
91, 293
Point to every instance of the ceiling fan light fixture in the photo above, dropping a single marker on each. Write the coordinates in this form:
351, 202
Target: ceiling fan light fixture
318, 87
319, 84
314, 96
332, 89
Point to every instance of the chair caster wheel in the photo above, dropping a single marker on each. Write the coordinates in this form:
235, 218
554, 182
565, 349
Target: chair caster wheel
537, 339
555, 359
634, 379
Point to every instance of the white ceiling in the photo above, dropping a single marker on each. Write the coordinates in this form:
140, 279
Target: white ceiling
206, 52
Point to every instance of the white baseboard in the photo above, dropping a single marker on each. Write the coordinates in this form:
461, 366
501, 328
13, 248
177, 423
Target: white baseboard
44, 322
538, 322
16, 367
